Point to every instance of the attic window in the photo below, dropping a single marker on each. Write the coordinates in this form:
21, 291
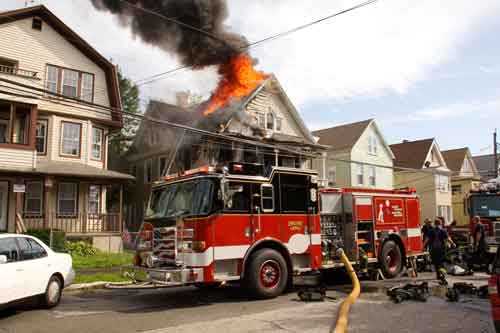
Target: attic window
37, 24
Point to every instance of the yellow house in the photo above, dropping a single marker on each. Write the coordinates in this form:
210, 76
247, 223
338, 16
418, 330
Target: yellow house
420, 164
465, 177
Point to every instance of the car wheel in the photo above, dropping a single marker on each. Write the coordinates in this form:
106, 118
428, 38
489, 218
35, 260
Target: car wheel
267, 274
53, 292
391, 259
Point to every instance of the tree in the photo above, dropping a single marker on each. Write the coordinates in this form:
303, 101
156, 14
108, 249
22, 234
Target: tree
130, 104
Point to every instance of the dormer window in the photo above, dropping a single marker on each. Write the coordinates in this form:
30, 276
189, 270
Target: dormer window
70, 83
372, 144
270, 121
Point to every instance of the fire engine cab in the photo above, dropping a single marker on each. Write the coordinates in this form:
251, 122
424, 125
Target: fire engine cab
211, 225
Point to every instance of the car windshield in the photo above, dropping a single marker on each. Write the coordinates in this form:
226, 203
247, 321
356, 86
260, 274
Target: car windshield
486, 206
189, 198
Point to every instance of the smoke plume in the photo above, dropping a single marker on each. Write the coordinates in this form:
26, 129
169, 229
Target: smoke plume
193, 48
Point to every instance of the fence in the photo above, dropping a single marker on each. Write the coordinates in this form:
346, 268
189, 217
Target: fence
82, 223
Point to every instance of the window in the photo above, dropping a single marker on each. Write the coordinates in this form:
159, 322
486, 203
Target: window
94, 199
278, 124
67, 197
295, 193
52, 77
359, 174
237, 197
70, 83
87, 87
71, 135
33, 198
36, 24
372, 176
97, 138
456, 189
332, 175
270, 121
148, 171
267, 197
444, 212
261, 120
29, 249
41, 137
8, 248
15, 122
442, 183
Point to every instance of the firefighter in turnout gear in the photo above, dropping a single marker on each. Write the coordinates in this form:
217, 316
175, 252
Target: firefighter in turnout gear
436, 242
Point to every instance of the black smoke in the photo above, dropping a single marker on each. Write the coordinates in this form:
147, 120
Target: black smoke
193, 48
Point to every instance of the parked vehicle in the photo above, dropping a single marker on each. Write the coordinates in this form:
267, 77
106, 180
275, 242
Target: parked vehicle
29, 268
208, 226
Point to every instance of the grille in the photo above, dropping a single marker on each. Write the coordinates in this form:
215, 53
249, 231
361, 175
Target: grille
169, 242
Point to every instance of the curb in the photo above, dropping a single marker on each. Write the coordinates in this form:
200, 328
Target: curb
93, 285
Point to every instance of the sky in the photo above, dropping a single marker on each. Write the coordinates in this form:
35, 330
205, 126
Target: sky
421, 68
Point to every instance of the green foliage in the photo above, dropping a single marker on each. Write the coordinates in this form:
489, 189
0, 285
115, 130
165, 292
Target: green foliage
58, 238
80, 248
102, 260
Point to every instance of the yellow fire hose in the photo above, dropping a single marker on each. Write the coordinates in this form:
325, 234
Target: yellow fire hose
343, 315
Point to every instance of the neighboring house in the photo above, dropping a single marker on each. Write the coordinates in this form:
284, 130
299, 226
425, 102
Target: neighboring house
265, 116
54, 148
361, 142
485, 166
421, 165
464, 178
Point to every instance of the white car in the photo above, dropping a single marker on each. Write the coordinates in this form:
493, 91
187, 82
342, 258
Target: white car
30, 268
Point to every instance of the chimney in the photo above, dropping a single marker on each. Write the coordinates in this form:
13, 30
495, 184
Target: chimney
182, 99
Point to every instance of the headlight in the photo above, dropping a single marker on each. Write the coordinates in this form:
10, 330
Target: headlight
151, 260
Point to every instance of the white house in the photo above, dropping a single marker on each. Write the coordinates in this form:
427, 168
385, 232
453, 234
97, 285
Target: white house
360, 142
53, 136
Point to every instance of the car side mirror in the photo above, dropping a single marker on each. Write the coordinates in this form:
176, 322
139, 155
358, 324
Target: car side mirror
3, 259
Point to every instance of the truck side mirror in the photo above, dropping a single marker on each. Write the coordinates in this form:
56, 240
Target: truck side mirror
3, 259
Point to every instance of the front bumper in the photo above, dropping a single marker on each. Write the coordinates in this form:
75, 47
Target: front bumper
173, 276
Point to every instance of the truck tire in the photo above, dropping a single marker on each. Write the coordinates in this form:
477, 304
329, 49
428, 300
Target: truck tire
267, 274
391, 259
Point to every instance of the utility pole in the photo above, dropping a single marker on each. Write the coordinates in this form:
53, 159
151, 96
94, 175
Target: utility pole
495, 152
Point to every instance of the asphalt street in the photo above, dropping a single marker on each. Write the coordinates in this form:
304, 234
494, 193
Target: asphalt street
228, 310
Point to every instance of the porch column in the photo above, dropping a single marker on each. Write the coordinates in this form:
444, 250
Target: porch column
323, 155
276, 160
47, 184
120, 209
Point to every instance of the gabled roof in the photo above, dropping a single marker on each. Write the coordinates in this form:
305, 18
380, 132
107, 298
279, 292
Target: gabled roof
72, 37
412, 154
455, 158
343, 136
485, 165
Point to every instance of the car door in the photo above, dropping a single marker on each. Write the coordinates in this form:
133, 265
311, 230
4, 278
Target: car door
36, 265
11, 286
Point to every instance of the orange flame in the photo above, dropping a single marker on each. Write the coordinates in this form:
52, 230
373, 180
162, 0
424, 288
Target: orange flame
239, 78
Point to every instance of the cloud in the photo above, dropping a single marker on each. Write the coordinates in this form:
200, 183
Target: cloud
383, 48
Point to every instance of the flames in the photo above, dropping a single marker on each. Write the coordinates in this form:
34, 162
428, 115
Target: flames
239, 78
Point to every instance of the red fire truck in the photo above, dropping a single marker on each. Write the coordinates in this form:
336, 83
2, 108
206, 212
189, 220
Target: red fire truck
211, 225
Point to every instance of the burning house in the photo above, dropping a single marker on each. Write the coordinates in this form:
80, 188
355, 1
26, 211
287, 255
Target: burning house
250, 108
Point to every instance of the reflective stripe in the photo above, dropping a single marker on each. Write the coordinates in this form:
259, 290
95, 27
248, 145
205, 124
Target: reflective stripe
316, 239
413, 232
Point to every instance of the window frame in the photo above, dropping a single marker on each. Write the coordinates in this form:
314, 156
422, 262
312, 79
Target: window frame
29, 240
101, 145
77, 82
59, 83
41, 198
61, 152
273, 122
262, 198
148, 180
46, 122
99, 201
92, 89
76, 200
372, 175
18, 254
360, 172
332, 170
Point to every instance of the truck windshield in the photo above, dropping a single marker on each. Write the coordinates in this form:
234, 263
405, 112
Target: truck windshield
189, 198
485, 205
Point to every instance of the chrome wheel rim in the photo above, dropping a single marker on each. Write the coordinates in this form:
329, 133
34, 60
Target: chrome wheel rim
270, 274
53, 292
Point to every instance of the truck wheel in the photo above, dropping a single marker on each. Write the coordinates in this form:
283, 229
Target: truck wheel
267, 274
391, 259
53, 293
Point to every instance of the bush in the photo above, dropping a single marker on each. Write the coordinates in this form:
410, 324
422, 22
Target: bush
80, 248
58, 238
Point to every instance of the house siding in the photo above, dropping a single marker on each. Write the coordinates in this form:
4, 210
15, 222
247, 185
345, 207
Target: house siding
16, 158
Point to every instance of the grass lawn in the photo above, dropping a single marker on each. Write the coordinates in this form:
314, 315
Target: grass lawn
101, 277
103, 260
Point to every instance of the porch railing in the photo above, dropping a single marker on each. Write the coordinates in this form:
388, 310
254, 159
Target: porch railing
81, 223
18, 71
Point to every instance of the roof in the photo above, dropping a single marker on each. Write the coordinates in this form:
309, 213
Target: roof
343, 136
485, 165
73, 38
71, 169
411, 154
455, 158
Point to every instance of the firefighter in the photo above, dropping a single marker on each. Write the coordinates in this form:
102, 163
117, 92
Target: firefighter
425, 232
436, 242
479, 240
